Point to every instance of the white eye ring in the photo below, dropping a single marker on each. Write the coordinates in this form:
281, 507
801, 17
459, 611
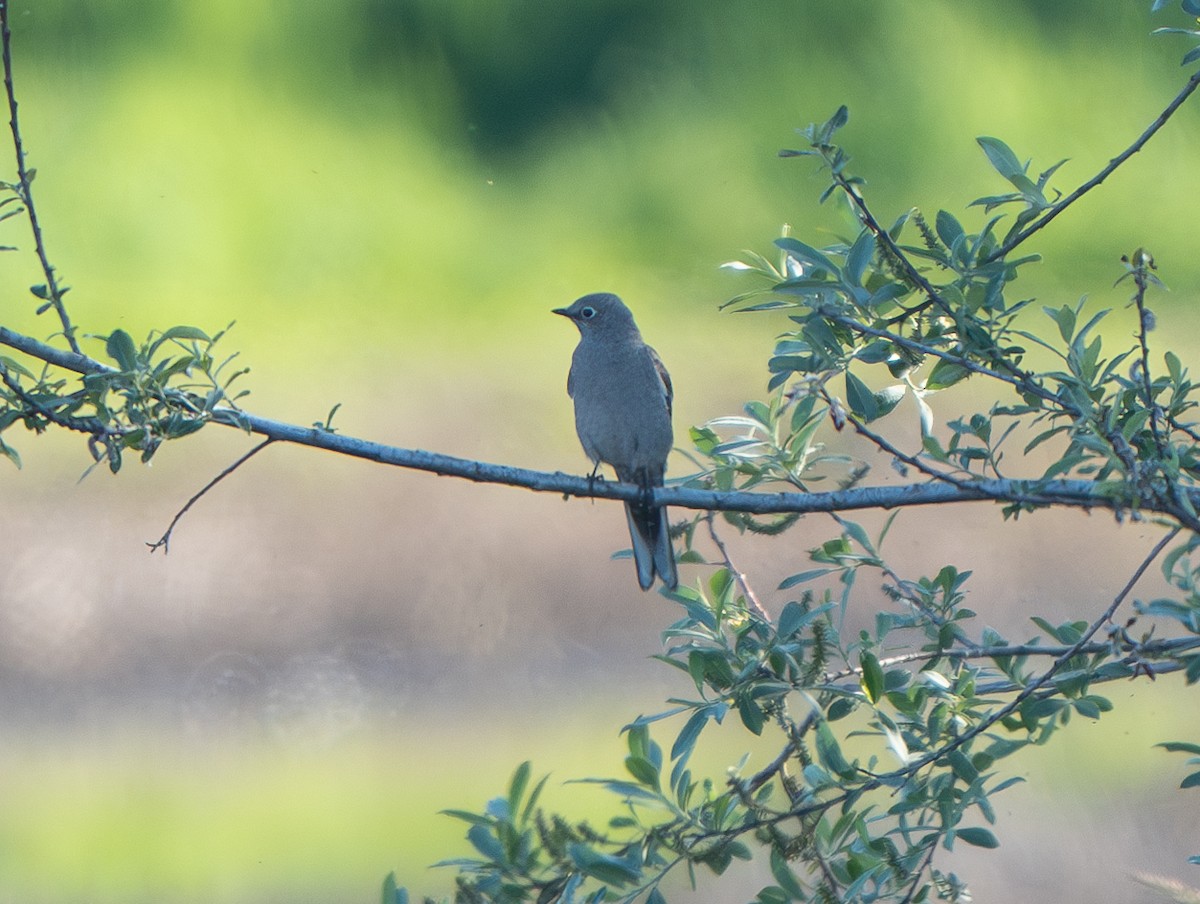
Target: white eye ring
588, 313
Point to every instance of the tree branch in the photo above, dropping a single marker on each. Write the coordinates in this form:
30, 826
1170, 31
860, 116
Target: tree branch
165, 540
752, 601
54, 292
1076, 493
1192, 84
1149, 650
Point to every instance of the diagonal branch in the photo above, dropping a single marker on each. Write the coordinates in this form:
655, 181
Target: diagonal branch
752, 601
1161, 120
165, 540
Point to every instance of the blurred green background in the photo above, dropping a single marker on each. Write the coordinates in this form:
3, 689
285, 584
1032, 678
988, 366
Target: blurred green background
388, 196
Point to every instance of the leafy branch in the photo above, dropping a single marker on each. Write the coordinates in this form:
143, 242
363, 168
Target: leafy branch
892, 732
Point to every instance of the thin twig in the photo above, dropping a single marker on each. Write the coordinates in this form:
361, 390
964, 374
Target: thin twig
884, 445
747, 591
795, 732
1019, 380
24, 188
1150, 649
165, 540
1170, 504
1141, 261
919, 873
911, 273
1056, 209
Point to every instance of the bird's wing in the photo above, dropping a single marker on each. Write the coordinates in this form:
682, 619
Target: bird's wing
663, 376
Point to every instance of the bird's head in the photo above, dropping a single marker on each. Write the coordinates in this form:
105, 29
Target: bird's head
599, 314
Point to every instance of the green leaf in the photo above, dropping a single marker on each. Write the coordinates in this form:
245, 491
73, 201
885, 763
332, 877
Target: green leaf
1087, 708
792, 615
945, 374
1174, 367
751, 714
949, 230
10, 453
186, 332
516, 788
686, 739
830, 753
814, 260
888, 398
467, 816
979, 837
121, 349
962, 767
533, 799
800, 578
643, 770
486, 843
860, 399
925, 416
1180, 747
392, 893
710, 667
497, 808
859, 258
638, 739
872, 676
772, 894
1064, 317
16, 367
602, 866
840, 708
783, 874
1001, 157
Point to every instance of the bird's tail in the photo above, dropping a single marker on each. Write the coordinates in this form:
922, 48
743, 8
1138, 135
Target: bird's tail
650, 533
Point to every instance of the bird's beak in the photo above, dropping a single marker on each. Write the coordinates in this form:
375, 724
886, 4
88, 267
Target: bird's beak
563, 311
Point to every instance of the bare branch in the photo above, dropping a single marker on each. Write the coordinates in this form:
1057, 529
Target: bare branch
165, 540
54, 291
738, 575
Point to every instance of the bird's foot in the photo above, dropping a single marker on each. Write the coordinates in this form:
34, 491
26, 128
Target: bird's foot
593, 477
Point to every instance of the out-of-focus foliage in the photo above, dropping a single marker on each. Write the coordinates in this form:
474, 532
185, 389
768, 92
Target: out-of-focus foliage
411, 156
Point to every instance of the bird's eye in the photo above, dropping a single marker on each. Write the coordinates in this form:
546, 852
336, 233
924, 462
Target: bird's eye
587, 313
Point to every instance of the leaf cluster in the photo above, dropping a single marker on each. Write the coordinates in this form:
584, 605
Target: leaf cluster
167, 387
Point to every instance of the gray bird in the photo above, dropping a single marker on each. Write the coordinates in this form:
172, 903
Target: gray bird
623, 397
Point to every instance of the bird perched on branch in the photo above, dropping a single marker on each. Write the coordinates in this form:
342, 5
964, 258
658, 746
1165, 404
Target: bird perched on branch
623, 397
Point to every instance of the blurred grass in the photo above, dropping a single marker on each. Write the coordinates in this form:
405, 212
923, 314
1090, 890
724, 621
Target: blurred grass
387, 197
137, 815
